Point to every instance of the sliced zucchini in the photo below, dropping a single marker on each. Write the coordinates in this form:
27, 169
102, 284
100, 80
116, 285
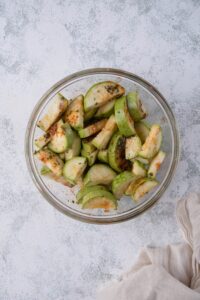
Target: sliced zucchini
124, 121
89, 114
74, 114
133, 147
135, 106
100, 93
121, 182
103, 156
134, 185
51, 160
91, 156
69, 134
45, 171
155, 164
55, 110
99, 174
103, 137
75, 147
92, 129
116, 153
142, 160
106, 110
59, 141
143, 189
152, 143
74, 168
99, 199
86, 190
42, 140
142, 129
139, 169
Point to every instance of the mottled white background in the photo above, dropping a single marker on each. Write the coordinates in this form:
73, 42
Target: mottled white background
43, 254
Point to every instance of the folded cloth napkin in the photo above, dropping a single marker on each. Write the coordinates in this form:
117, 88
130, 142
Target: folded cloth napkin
169, 273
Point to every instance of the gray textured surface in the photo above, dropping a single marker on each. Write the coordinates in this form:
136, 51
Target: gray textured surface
43, 254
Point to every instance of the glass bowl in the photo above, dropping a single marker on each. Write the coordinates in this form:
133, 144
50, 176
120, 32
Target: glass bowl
62, 197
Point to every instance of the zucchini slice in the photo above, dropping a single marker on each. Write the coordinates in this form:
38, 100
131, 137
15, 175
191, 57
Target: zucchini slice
135, 106
143, 189
153, 142
155, 164
74, 168
142, 160
62, 156
86, 190
99, 174
106, 110
142, 129
103, 156
75, 147
87, 145
59, 141
103, 137
91, 156
116, 153
124, 121
133, 147
134, 185
121, 183
74, 114
139, 169
51, 160
43, 140
99, 199
92, 129
47, 172
100, 93
55, 110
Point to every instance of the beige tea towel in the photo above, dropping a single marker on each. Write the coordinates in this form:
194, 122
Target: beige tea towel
169, 273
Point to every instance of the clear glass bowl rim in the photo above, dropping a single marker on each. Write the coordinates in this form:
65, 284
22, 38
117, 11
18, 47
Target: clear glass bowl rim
29, 142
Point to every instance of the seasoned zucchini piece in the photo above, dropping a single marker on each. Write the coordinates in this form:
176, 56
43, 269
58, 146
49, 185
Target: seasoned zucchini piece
103, 137
152, 143
86, 190
100, 93
139, 169
121, 183
59, 141
89, 114
99, 199
116, 153
134, 185
133, 147
106, 110
142, 160
91, 156
54, 112
92, 129
74, 168
62, 155
99, 174
51, 160
42, 140
143, 189
103, 156
69, 134
142, 129
124, 121
135, 106
155, 164
74, 114
47, 172
75, 147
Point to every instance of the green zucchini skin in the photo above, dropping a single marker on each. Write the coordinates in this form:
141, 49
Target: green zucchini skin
124, 121
101, 93
135, 106
99, 174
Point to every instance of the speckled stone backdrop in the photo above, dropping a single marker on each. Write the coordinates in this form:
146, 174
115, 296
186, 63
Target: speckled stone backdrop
43, 254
